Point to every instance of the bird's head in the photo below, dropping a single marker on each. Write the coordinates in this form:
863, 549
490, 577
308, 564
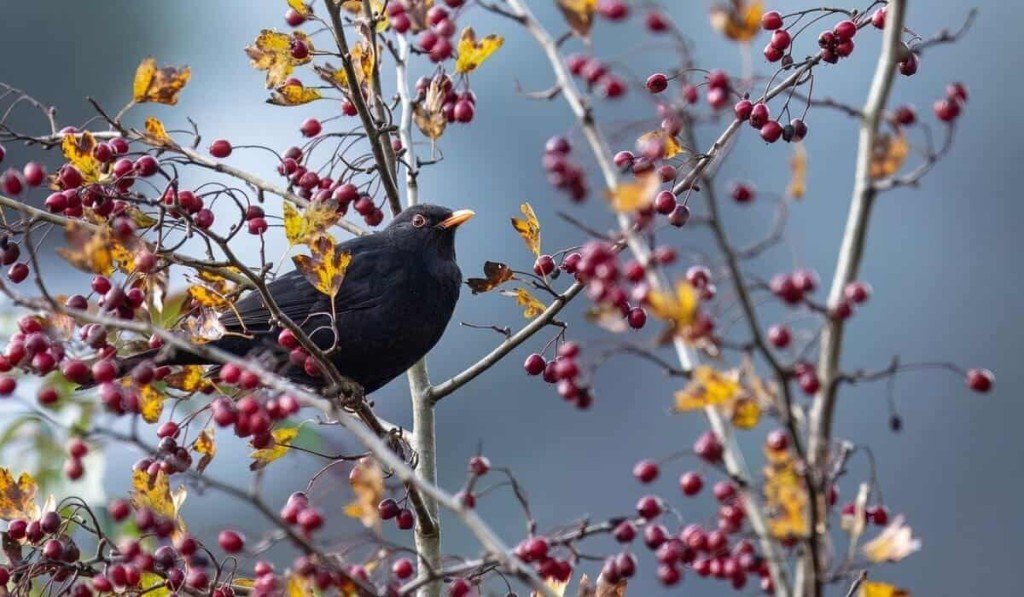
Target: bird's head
429, 226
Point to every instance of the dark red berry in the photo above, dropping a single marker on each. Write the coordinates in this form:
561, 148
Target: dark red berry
779, 336
771, 20
980, 380
220, 148
646, 471
657, 83
310, 127
231, 541
691, 483
534, 364
649, 507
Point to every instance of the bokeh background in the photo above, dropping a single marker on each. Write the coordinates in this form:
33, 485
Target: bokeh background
944, 260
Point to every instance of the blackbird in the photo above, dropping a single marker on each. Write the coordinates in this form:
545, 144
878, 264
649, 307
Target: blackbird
397, 296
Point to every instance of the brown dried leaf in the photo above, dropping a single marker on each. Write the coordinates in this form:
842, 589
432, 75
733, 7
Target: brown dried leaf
495, 274
156, 131
888, 155
429, 113
579, 14
160, 85
17, 497
325, 269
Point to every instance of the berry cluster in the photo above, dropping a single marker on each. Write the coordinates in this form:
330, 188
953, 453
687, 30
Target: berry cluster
837, 43
564, 371
436, 40
307, 184
759, 117
597, 75
948, 108
563, 174
389, 509
297, 511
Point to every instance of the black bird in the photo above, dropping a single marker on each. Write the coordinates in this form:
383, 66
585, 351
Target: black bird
394, 303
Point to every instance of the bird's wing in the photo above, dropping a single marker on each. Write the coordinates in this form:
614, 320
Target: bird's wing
299, 300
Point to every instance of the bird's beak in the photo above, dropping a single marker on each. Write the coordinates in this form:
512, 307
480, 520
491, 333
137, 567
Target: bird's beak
456, 219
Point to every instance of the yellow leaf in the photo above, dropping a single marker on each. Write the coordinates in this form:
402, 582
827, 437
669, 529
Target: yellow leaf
271, 52
738, 21
190, 378
495, 274
77, 150
557, 587
632, 196
153, 585
429, 113
785, 496
367, 481
529, 229
155, 493
212, 291
531, 306
293, 94
894, 543
870, 588
474, 52
708, 388
665, 144
96, 251
160, 85
304, 227
579, 14
325, 269
205, 445
798, 167
278, 448
888, 155
746, 413
17, 497
678, 308
155, 130
151, 403
300, 7
300, 586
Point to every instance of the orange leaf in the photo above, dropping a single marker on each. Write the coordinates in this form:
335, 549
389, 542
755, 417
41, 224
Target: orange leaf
798, 167
495, 274
529, 228
160, 85
367, 481
17, 497
737, 21
155, 130
888, 155
632, 196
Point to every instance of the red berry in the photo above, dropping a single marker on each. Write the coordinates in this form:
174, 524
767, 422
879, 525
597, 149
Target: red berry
772, 54
388, 509
771, 131
980, 380
691, 483
743, 109
257, 226
665, 202
294, 18
656, 22
781, 39
220, 148
646, 471
402, 568
857, 292
310, 127
878, 515
759, 115
905, 115
742, 192
460, 587
624, 532
657, 83
878, 18
613, 10
534, 364
779, 336
708, 448
544, 265
10, 182
231, 541
637, 318
649, 507
34, 174
845, 30
479, 465
724, 491
771, 20
405, 519
18, 272
669, 575
808, 382
909, 65
946, 110
777, 440
464, 111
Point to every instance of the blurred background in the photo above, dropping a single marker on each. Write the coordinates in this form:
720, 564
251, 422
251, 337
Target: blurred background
940, 257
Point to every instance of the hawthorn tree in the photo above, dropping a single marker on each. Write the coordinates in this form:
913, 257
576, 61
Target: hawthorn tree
130, 222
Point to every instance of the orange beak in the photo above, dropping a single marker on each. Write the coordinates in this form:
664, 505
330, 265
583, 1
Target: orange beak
457, 218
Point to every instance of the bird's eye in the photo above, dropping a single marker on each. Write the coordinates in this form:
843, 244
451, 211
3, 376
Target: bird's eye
419, 220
